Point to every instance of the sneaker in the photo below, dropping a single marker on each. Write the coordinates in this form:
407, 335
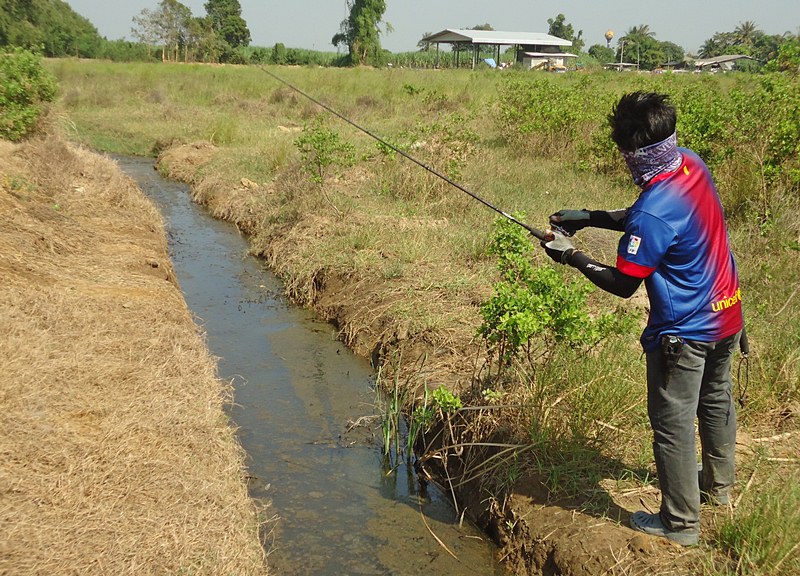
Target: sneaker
651, 524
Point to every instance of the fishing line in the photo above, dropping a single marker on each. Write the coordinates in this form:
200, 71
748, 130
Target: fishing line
538, 233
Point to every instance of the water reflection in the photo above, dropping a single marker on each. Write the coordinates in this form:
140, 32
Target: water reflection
296, 389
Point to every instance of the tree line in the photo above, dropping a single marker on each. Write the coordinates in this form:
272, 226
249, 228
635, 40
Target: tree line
181, 36
638, 45
171, 33
47, 26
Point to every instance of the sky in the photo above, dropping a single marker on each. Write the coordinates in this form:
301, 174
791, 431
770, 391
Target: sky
312, 23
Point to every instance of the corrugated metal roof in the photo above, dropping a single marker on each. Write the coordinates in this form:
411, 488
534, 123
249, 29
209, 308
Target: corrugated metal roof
496, 37
721, 59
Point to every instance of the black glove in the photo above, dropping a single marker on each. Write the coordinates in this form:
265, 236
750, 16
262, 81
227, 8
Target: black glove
560, 249
570, 221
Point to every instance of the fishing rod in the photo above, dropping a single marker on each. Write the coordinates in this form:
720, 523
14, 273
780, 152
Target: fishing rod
534, 231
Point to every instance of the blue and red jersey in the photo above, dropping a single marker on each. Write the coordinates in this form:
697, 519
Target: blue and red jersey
676, 239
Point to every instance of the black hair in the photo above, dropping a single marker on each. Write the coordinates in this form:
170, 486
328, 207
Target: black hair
640, 119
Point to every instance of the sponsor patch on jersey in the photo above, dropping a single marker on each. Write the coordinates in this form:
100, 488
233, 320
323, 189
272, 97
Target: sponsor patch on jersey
633, 244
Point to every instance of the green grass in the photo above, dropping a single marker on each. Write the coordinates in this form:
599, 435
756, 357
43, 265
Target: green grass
421, 244
763, 536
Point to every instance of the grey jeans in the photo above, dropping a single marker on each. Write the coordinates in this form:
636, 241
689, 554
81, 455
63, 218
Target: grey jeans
697, 385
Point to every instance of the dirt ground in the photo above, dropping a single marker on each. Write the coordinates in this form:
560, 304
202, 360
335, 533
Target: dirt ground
115, 453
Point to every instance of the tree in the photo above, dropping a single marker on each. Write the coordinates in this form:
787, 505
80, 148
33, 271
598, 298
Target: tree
560, 29
168, 25
746, 33
729, 43
601, 53
672, 52
360, 31
279, 53
788, 57
640, 30
767, 46
647, 52
639, 45
202, 42
27, 87
745, 39
48, 26
710, 48
227, 22
423, 45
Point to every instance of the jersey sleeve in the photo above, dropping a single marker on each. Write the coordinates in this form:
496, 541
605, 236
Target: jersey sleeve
643, 245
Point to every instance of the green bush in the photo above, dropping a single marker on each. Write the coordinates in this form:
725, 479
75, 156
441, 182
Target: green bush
25, 87
537, 302
320, 148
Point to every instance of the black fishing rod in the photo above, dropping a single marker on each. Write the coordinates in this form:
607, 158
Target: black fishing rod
536, 232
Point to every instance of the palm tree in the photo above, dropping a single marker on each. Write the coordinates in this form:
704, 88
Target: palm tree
745, 32
709, 49
642, 30
423, 45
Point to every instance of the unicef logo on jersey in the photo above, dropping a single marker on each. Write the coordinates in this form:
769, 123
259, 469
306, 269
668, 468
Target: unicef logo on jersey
633, 244
726, 303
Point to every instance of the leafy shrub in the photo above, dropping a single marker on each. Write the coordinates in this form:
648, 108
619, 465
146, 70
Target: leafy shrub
25, 87
126, 51
788, 59
704, 120
746, 128
544, 115
531, 302
763, 171
320, 148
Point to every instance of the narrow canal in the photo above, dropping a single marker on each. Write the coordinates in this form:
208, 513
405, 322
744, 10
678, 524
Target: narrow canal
296, 389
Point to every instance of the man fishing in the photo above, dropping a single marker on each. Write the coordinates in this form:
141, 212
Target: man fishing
675, 240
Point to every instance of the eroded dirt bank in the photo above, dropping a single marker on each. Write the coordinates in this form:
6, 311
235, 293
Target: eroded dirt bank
117, 457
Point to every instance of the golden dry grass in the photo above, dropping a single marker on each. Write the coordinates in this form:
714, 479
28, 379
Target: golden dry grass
116, 454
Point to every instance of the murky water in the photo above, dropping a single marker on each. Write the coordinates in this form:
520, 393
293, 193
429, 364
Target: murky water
296, 389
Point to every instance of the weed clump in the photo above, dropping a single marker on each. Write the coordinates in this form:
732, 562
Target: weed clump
27, 87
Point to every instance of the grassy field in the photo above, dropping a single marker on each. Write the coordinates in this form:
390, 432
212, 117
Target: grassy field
398, 259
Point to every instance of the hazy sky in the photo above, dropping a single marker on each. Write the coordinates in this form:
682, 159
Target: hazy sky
312, 23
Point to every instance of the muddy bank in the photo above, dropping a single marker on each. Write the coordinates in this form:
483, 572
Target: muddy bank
117, 455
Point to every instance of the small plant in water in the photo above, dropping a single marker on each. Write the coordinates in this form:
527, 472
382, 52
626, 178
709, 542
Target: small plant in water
394, 423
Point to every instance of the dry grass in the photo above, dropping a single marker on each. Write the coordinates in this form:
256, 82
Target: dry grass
117, 457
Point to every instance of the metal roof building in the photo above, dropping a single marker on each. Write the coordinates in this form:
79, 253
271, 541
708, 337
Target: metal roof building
725, 62
538, 43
